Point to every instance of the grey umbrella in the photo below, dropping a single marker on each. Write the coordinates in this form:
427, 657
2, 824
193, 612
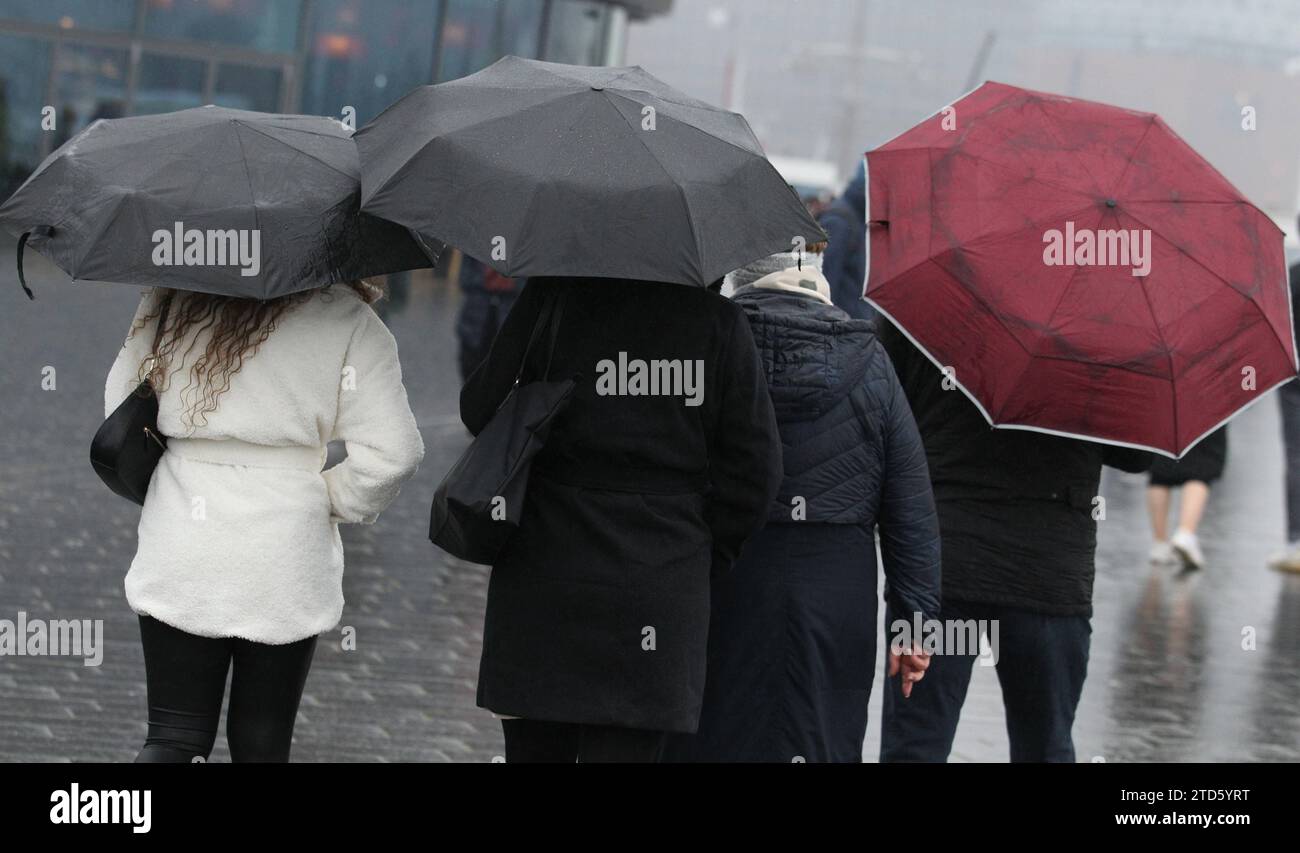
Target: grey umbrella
539, 168
210, 199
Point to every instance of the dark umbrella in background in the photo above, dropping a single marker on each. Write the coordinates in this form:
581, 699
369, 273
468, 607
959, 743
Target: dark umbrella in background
543, 169
96, 205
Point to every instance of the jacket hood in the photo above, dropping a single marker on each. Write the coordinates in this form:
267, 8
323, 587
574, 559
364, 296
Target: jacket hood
813, 354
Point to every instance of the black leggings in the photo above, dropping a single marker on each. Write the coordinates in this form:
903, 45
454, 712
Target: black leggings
536, 741
186, 675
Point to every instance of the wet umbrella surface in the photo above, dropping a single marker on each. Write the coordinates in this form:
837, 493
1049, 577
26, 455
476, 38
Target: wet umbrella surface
209, 199
539, 168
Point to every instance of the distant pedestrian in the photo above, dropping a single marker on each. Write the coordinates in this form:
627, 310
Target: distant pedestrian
1288, 400
792, 636
594, 642
1193, 475
239, 560
486, 299
845, 261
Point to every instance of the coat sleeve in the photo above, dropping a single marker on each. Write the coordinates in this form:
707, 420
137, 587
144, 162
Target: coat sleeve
745, 465
375, 423
124, 376
487, 387
909, 524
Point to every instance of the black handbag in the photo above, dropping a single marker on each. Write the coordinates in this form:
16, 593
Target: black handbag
128, 445
479, 503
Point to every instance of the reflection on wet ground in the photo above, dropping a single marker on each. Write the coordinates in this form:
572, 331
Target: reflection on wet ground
1169, 678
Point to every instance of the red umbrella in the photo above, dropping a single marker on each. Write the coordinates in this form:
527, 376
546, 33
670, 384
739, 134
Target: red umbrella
1078, 268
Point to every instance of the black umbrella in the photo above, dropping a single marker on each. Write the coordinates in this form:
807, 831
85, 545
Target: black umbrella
209, 199
538, 168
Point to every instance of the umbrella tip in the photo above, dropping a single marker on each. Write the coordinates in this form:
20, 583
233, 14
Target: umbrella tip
1110, 202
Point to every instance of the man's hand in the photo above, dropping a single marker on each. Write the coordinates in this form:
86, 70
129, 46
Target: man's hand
912, 664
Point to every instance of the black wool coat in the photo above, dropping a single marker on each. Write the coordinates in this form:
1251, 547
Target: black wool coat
598, 609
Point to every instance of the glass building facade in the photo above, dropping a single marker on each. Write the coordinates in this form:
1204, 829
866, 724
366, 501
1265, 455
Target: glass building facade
65, 63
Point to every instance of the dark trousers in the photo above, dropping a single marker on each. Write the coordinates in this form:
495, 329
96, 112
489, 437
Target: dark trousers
537, 741
186, 677
1042, 661
1288, 399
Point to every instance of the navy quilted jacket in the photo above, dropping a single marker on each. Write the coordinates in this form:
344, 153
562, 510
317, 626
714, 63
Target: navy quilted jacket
792, 634
851, 449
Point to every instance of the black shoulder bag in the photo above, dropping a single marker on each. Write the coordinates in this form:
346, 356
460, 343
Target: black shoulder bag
479, 503
128, 445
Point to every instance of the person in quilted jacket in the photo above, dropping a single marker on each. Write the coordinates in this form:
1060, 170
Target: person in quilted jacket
792, 636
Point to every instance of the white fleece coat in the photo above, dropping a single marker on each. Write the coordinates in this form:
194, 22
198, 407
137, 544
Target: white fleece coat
239, 532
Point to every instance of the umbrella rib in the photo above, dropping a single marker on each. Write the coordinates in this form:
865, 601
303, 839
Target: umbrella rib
700, 131
1169, 355
1249, 300
299, 150
1047, 123
252, 197
681, 191
1132, 156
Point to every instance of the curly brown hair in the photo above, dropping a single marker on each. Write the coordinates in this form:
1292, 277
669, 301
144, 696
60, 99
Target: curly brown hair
238, 327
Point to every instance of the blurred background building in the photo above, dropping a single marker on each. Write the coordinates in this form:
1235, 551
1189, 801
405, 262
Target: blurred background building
91, 59
824, 80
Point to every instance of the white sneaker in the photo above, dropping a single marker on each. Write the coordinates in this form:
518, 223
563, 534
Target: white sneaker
1162, 554
1188, 549
1288, 560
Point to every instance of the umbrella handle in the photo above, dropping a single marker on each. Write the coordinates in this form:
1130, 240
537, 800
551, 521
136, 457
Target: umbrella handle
39, 230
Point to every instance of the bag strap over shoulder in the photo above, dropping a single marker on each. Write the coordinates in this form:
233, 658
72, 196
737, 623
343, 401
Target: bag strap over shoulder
547, 320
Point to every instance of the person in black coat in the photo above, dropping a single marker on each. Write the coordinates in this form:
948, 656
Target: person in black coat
598, 608
792, 642
1018, 517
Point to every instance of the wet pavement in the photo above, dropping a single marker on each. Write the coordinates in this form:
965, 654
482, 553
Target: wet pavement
1169, 679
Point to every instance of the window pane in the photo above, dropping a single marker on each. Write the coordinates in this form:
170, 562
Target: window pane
89, 84
477, 33
366, 54
247, 88
168, 83
270, 25
576, 32
22, 94
87, 14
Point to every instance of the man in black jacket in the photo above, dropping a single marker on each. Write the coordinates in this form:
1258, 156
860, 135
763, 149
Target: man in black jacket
1288, 400
1017, 521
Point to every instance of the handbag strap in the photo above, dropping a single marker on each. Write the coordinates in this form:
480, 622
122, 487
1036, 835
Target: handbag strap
162, 324
548, 319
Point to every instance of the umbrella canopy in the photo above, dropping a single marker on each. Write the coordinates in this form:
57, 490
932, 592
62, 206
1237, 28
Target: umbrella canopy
1079, 268
209, 199
539, 168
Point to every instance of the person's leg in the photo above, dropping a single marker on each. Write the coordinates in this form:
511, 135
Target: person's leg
614, 745
1158, 507
540, 742
1192, 505
264, 694
1289, 401
922, 726
186, 678
1042, 664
